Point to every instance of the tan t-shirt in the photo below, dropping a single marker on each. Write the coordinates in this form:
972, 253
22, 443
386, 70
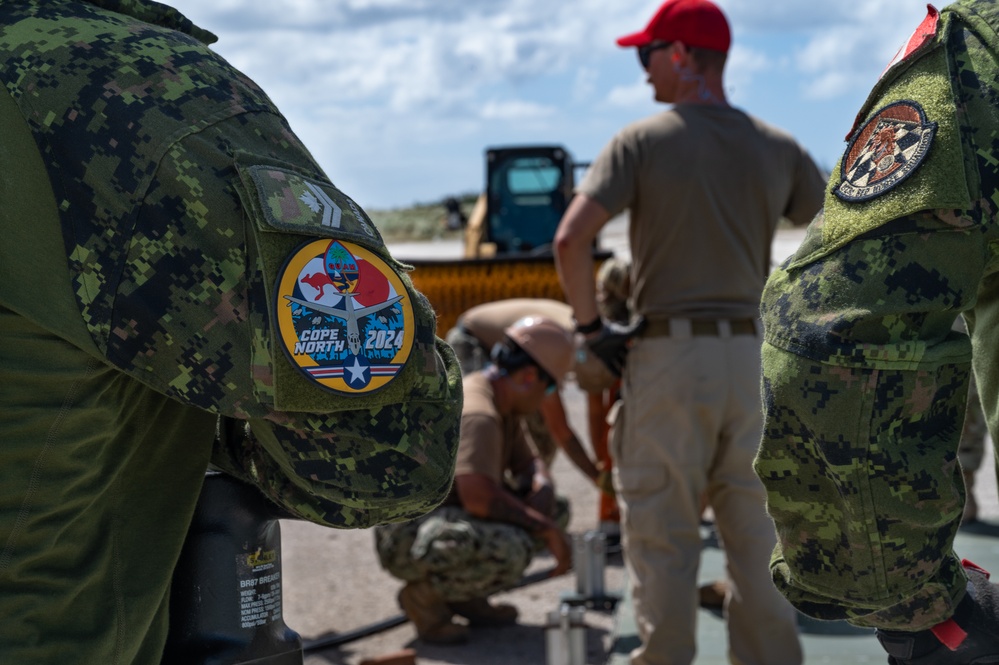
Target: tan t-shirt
487, 322
490, 444
706, 186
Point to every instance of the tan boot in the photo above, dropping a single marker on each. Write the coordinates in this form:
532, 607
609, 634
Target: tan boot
480, 612
712, 594
430, 614
403, 657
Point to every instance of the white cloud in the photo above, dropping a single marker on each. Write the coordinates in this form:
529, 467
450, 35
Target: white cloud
369, 81
514, 110
807, 16
584, 85
744, 64
850, 55
632, 95
413, 54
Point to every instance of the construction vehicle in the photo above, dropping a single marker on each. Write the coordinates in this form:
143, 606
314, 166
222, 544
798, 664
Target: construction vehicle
508, 238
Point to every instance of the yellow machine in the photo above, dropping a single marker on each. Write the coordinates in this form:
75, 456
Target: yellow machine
507, 250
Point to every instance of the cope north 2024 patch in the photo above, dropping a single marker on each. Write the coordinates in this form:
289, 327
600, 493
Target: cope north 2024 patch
885, 151
343, 316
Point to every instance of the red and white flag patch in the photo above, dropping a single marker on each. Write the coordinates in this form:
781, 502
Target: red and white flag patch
922, 36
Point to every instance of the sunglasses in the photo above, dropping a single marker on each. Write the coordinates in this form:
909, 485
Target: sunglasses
645, 52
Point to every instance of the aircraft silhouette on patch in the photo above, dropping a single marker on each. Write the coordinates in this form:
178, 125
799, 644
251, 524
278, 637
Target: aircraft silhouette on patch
342, 273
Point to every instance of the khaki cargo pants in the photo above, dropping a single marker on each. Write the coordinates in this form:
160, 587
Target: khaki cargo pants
690, 423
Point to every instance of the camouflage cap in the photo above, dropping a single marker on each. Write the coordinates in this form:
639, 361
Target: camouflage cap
614, 288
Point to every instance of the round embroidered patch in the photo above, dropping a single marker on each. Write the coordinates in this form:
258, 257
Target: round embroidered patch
885, 151
343, 316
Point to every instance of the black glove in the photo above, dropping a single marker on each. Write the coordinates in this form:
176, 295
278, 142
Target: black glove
611, 344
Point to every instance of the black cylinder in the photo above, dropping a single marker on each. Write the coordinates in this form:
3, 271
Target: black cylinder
225, 602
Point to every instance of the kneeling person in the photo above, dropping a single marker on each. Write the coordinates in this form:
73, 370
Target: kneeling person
480, 328
502, 508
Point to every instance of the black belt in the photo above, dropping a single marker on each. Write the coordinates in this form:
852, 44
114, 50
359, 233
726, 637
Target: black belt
701, 327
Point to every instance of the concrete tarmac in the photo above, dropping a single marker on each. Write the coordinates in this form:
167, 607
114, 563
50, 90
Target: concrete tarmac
334, 587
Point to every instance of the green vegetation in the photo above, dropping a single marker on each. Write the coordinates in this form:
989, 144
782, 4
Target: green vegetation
421, 221
426, 221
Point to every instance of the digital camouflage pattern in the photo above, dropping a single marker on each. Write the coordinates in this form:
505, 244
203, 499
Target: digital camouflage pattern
613, 285
151, 196
865, 383
167, 166
462, 557
971, 451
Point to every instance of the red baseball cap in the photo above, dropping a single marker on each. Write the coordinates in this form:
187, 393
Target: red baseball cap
697, 23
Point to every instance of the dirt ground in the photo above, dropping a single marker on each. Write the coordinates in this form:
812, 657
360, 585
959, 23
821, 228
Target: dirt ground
334, 585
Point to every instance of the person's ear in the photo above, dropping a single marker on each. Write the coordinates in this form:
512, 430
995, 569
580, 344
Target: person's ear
678, 52
674, 60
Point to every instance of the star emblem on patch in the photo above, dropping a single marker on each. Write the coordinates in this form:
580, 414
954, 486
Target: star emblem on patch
344, 317
358, 371
885, 151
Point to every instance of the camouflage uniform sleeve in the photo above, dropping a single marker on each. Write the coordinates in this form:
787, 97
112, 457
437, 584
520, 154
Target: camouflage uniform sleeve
865, 383
353, 416
212, 260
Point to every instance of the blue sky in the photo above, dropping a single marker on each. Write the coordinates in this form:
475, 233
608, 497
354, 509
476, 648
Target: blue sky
398, 99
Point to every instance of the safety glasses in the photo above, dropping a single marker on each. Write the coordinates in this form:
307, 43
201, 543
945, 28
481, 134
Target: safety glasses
645, 52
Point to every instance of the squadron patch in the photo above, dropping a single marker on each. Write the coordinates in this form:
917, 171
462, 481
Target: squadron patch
343, 316
885, 151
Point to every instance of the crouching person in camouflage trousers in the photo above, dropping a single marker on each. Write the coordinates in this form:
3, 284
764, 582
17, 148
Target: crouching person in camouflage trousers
502, 508
476, 332
172, 254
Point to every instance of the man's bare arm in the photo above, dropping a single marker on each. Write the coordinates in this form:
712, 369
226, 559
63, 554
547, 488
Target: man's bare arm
482, 497
553, 412
573, 245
